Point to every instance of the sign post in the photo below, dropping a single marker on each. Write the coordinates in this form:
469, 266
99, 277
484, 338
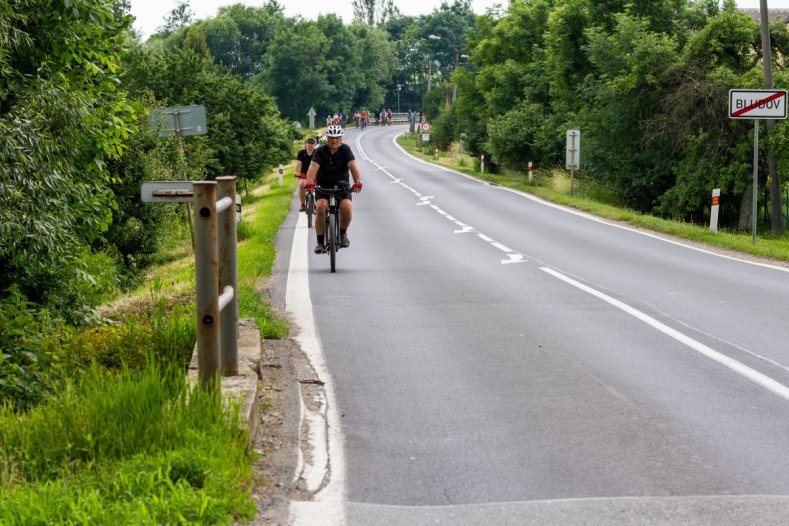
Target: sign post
425, 131
757, 104
311, 114
573, 156
180, 121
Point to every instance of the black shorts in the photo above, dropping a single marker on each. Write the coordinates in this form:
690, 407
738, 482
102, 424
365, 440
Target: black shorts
323, 195
319, 194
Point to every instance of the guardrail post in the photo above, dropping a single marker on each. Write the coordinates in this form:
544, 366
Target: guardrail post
228, 277
207, 282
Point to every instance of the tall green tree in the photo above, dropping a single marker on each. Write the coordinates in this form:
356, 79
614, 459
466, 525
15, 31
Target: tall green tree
61, 117
374, 12
245, 131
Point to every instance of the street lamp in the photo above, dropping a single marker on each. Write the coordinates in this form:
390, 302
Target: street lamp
430, 62
457, 59
399, 87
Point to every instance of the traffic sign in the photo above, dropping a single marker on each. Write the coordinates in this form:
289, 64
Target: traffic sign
426, 126
179, 120
573, 150
167, 192
757, 104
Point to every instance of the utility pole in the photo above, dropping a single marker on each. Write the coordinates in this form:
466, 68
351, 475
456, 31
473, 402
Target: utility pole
429, 71
775, 179
454, 85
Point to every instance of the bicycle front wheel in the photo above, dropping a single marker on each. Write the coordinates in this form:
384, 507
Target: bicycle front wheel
333, 241
310, 209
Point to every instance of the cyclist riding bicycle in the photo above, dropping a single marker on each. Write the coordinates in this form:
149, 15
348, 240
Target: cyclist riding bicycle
330, 166
303, 160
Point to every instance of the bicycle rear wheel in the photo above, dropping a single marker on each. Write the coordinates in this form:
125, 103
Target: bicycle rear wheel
310, 208
333, 241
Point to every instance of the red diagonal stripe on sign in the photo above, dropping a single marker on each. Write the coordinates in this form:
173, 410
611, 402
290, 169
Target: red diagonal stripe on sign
774, 96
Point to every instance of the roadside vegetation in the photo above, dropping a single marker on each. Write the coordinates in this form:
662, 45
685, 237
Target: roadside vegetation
554, 185
112, 432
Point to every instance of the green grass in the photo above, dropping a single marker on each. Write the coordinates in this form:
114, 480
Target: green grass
128, 448
256, 256
126, 441
554, 186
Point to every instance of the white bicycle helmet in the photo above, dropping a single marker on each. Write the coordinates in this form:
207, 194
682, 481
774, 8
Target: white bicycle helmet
335, 130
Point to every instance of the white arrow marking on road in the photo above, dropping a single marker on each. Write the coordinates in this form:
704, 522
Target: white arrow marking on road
514, 258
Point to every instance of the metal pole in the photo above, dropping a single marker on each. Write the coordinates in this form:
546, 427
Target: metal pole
755, 176
206, 282
177, 123
572, 161
228, 277
454, 85
429, 71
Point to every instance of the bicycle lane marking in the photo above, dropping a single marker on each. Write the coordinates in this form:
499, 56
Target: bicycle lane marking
324, 471
513, 256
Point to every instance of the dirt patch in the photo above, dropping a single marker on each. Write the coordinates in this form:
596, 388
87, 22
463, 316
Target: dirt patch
276, 440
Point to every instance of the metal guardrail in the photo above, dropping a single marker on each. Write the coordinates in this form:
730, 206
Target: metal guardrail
216, 261
216, 268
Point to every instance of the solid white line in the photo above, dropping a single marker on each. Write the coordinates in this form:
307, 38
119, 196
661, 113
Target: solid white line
737, 367
299, 305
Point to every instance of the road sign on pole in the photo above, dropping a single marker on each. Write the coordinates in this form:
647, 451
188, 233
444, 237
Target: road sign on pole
757, 104
573, 156
179, 120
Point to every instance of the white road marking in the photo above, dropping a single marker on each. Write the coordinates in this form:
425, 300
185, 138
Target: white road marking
325, 471
591, 217
732, 364
514, 256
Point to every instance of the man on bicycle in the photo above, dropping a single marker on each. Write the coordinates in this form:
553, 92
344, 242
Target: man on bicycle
330, 166
303, 159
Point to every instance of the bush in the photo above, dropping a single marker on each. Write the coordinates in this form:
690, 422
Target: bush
30, 360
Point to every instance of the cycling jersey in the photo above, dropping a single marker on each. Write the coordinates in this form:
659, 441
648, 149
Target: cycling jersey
306, 160
332, 168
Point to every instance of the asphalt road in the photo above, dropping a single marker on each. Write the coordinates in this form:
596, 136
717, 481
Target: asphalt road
490, 352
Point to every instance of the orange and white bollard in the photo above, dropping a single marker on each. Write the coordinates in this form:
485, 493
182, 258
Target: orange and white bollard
716, 193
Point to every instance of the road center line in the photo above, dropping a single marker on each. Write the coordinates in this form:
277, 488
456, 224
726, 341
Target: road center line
735, 366
514, 256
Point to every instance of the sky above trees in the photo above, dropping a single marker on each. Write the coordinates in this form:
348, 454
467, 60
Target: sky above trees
150, 13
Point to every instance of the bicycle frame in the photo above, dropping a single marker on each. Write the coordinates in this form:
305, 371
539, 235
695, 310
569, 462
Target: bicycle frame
332, 219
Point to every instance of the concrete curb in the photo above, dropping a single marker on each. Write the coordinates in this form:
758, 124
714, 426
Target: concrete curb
244, 385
